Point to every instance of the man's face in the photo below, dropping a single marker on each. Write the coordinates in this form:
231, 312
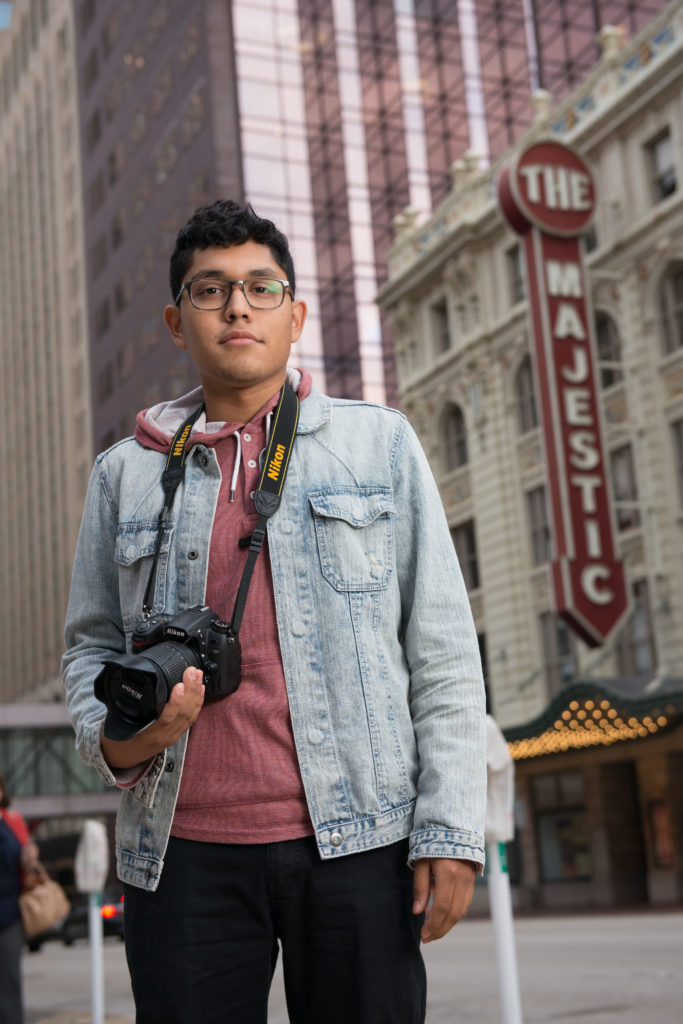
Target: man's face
238, 347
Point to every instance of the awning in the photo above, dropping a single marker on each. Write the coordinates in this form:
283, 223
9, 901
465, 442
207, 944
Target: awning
599, 713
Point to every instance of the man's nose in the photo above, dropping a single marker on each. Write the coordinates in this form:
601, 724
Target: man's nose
237, 304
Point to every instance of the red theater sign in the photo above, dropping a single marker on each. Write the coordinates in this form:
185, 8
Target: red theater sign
548, 196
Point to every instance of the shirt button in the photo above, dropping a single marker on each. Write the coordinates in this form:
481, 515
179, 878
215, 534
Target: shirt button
251, 464
336, 839
247, 437
170, 766
193, 554
252, 494
204, 460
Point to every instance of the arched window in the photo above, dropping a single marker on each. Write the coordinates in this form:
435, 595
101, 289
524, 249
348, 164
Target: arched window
455, 438
527, 415
671, 310
609, 349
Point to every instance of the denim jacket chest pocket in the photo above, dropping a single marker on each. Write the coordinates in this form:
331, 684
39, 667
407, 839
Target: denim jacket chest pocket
133, 552
354, 535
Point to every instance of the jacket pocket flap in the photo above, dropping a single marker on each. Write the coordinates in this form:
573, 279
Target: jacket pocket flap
138, 540
357, 506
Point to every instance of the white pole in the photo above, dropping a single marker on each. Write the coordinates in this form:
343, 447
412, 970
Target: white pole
501, 911
96, 957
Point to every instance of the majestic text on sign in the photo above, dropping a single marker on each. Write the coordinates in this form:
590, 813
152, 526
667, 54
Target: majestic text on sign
548, 196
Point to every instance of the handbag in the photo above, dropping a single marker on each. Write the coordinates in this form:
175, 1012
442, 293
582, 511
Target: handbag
43, 906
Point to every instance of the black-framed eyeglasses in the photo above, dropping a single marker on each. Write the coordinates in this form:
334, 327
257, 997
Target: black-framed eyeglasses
212, 293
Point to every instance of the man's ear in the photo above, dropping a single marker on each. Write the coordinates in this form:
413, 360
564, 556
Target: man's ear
299, 311
175, 327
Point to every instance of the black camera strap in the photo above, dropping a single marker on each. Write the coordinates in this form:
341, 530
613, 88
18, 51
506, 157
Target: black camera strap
266, 498
170, 479
269, 491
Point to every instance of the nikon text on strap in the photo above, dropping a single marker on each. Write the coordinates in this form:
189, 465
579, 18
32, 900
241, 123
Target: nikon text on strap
266, 498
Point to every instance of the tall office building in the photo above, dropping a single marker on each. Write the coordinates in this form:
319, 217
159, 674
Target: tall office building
331, 116
44, 394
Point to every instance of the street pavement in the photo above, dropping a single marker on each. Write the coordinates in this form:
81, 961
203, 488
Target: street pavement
600, 968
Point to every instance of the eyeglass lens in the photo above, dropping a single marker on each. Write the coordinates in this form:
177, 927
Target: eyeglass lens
260, 292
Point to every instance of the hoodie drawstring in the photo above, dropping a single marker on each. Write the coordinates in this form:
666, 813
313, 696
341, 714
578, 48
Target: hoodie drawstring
238, 462
238, 454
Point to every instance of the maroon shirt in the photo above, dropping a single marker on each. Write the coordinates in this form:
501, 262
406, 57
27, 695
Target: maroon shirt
241, 781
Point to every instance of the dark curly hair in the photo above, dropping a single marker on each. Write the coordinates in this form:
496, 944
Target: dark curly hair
226, 223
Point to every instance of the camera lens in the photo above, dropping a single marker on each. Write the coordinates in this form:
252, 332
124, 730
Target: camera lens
135, 688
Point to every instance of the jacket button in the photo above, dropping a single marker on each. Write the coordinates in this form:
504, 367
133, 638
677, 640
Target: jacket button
336, 839
170, 765
193, 554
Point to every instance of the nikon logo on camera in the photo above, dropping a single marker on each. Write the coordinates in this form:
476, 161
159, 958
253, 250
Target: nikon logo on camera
275, 464
131, 691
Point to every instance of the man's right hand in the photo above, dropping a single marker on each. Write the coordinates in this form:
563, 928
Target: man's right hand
179, 713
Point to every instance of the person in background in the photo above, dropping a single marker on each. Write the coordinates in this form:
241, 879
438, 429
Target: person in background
18, 860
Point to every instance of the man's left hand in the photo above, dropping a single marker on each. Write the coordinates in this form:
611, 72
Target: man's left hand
451, 882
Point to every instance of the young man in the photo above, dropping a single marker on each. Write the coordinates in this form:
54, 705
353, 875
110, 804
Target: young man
341, 787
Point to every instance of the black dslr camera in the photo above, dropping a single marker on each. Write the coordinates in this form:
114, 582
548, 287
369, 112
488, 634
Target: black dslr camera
135, 687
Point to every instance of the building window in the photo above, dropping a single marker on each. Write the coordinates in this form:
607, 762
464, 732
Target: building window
671, 310
119, 227
624, 489
107, 440
93, 131
105, 382
660, 155
96, 193
91, 70
455, 438
635, 648
465, 542
87, 13
115, 162
112, 98
677, 431
541, 536
559, 652
527, 415
122, 293
561, 827
609, 350
110, 33
102, 319
441, 330
99, 255
515, 274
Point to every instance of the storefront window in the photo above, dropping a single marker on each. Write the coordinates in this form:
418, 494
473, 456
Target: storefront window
561, 827
563, 846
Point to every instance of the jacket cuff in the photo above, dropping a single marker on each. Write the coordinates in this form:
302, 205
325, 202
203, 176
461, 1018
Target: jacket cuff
442, 842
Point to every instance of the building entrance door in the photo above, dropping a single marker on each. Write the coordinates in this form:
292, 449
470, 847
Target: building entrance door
624, 833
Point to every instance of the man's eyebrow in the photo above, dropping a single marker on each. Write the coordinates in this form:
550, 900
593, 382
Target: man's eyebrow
256, 272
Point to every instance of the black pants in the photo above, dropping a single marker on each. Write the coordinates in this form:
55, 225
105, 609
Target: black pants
203, 947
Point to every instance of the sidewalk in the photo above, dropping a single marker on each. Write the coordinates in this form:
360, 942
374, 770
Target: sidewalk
75, 1018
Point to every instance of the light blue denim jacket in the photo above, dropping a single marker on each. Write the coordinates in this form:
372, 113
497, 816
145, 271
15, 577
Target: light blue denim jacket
378, 646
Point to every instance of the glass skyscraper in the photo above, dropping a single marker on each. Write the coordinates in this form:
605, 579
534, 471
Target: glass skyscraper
330, 116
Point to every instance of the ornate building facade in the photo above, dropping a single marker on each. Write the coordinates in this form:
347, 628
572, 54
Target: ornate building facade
595, 731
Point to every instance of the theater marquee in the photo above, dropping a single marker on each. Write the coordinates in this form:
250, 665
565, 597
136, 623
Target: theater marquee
548, 197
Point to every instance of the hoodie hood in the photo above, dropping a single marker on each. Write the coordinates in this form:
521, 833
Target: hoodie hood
155, 427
